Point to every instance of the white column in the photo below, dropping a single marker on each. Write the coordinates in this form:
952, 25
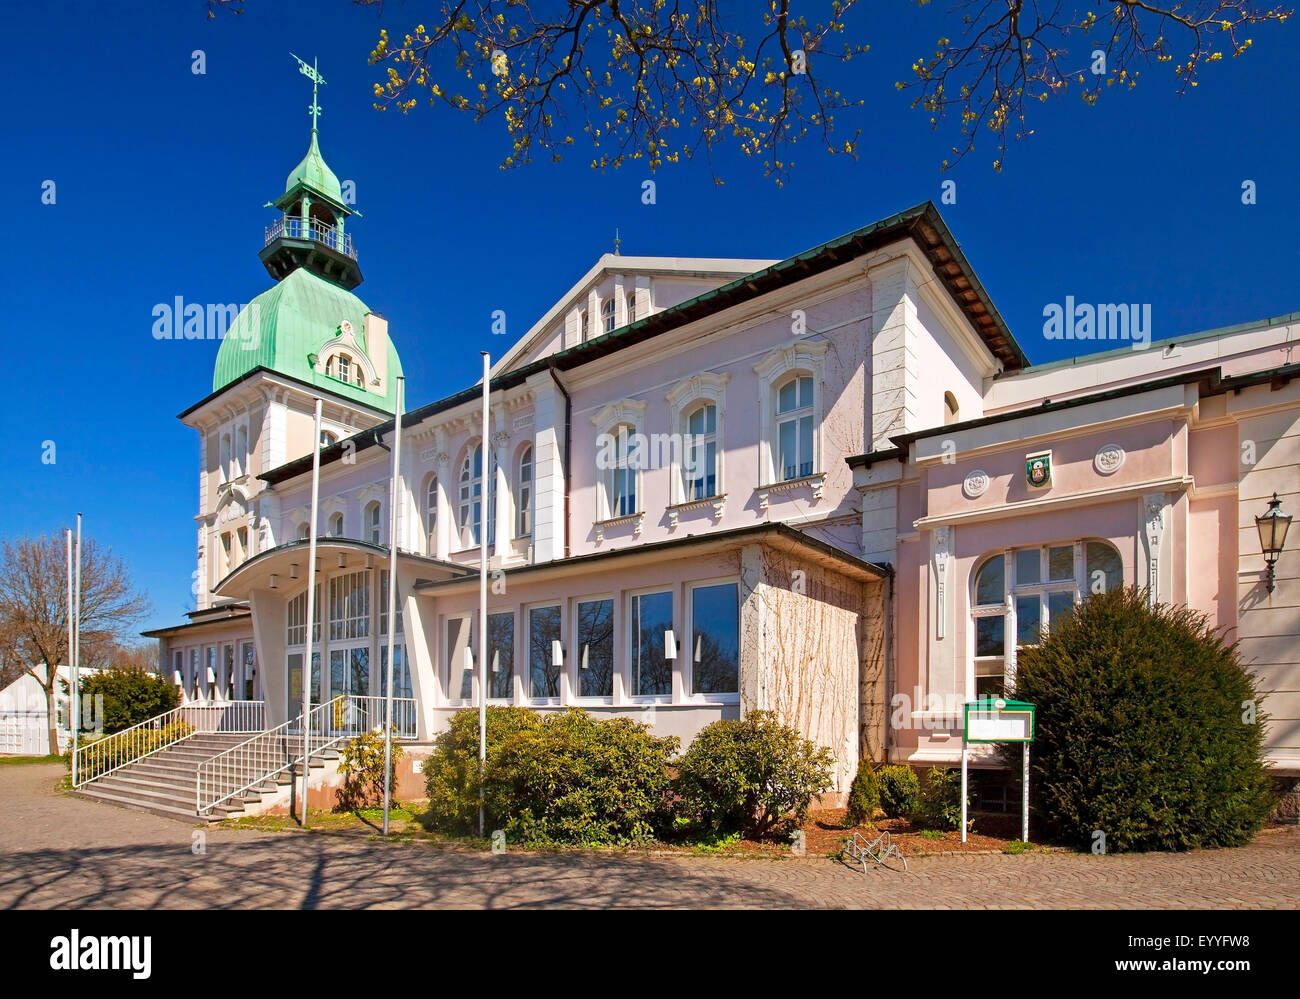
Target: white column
501, 448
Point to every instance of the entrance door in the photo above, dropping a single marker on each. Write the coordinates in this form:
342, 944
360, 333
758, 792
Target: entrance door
293, 682
350, 676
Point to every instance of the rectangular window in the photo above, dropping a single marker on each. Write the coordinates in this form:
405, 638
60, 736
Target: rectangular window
543, 632
1060, 563
294, 670
501, 655
1029, 620
1059, 605
383, 605
1027, 567
401, 676
460, 681
596, 648
652, 672
250, 669
226, 679
349, 606
715, 639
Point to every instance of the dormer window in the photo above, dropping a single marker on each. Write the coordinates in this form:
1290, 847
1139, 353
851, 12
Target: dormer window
345, 367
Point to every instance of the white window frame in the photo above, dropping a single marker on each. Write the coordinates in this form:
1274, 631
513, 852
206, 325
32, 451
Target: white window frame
527, 665
630, 644
574, 665
783, 363
686, 647
629, 412
458, 668
487, 499
431, 511
683, 399
374, 522
524, 489
514, 686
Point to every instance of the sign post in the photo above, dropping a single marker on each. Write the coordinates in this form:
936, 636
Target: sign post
998, 720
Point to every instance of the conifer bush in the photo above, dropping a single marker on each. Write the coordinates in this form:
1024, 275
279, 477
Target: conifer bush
864, 795
1147, 729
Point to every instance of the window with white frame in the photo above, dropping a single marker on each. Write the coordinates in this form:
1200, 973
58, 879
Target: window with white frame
241, 450
335, 525
501, 655
595, 647
794, 428
524, 514
543, 670
631, 306
296, 619
471, 499
373, 517
304, 531
1017, 595
621, 476
383, 605
714, 641
607, 311
650, 618
345, 368
431, 512
224, 458
460, 671
350, 606
701, 457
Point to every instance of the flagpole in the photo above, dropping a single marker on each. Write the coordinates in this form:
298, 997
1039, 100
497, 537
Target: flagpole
68, 538
76, 644
311, 609
392, 597
482, 600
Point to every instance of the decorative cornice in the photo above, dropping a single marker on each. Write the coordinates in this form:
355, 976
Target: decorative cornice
623, 411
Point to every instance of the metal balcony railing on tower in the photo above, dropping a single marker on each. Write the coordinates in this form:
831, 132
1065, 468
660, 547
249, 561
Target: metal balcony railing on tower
293, 227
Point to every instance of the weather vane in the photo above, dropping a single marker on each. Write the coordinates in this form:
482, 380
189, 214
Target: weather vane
313, 74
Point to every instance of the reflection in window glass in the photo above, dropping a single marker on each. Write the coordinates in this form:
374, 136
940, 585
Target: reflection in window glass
652, 615
459, 679
1029, 621
989, 584
1104, 569
1060, 563
989, 679
1059, 605
988, 636
1027, 566
715, 639
543, 630
401, 674
596, 648
501, 655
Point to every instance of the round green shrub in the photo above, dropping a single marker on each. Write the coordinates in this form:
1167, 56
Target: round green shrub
899, 790
128, 696
754, 776
864, 794
451, 773
939, 807
575, 779
1147, 729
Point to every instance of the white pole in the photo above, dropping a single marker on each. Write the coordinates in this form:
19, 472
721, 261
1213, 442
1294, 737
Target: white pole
72, 720
311, 609
965, 756
482, 601
1024, 799
76, 646
392, 597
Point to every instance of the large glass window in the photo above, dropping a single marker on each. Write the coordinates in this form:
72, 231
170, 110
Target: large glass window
794, 428
471, 500
294, 663
249, 669
373, 532
595, 648
296, 632
652, 671
501, 655
401, 672
431, 513
543, 632
1025, 592
350, 672
715, 639
702, 454
349, 606
460, 680
383, 605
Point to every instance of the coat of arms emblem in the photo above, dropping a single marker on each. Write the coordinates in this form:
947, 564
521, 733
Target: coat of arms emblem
1038, 469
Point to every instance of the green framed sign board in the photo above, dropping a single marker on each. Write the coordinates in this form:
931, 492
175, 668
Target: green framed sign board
998, 721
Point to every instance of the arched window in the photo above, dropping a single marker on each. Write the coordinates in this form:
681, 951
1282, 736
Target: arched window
631, 306
241, 450
794, 428
701, 453
373, 532
1018, 595
607, 311
304, 531
949, 408
524, 515
471, 500
431, 512
327, 438
620, 477
336, 525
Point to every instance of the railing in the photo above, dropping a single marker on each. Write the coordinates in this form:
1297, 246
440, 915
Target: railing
103, 756
268, 754
294, 227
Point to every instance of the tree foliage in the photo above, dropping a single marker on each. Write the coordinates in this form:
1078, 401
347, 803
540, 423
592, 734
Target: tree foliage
129, 696
658, 82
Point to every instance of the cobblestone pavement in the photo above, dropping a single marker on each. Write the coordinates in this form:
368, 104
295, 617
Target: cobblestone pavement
57, 851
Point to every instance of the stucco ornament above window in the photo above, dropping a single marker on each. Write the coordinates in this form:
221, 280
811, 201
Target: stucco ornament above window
1108, 459
347, 343
976, 483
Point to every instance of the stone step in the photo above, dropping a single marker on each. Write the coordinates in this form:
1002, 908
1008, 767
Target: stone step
94, 793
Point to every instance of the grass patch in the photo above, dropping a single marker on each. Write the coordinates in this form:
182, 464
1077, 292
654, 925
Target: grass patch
1017, 846
931, 834
26, 761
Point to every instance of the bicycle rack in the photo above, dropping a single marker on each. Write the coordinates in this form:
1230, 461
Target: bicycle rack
880, 849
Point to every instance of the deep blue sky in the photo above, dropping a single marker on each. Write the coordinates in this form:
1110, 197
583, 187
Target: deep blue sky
161, 176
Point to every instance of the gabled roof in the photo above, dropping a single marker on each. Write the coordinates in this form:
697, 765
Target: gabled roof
922, 224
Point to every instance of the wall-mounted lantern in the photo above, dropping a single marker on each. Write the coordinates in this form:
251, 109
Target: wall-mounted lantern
1272, 527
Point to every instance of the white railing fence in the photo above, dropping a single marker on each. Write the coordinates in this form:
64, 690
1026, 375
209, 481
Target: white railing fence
268, 754
112, 752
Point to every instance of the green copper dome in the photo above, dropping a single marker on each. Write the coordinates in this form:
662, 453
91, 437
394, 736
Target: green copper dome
315, 175
285, 326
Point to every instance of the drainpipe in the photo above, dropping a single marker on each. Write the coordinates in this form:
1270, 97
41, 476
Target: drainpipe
568, 429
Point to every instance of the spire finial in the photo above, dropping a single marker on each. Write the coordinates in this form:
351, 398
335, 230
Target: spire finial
313, 74
617, 241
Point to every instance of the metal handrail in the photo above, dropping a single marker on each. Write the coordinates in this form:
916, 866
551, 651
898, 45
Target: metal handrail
294, 227
266, 755
113, 752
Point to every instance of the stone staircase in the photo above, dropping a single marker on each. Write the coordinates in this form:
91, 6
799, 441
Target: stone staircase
164, 783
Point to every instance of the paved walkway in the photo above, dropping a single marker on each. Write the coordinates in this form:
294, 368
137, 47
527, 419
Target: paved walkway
59, 851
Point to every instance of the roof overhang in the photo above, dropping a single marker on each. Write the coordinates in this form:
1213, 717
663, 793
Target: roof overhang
778, 537
281, 567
